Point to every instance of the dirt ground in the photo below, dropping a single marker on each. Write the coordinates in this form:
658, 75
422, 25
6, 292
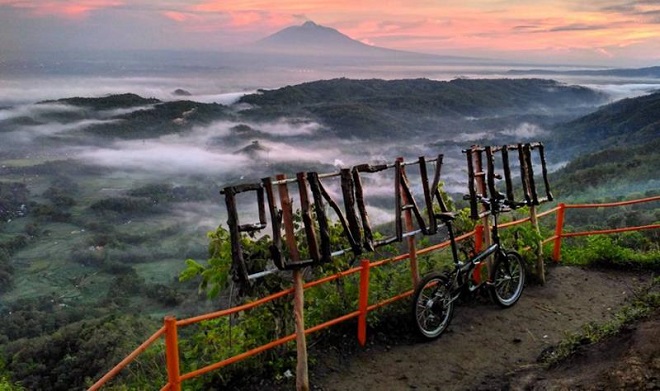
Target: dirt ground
488, 348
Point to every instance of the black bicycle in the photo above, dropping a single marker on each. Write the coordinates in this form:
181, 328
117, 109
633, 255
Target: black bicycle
435, 294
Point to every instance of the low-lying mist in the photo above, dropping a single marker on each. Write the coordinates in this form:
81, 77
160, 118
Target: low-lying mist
140, 184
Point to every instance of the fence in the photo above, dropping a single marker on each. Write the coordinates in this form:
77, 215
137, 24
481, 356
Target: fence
171, 324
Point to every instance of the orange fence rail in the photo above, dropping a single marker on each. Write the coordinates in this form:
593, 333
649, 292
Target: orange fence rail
171, 324
559, 226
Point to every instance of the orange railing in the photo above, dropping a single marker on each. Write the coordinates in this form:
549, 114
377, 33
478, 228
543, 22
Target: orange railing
559, 226
171, 324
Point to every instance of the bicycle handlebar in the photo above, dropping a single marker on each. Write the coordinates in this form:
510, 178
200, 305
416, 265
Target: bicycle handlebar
498, 200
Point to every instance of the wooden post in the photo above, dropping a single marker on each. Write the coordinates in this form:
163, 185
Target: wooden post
559, 227
481, 189
363, 303
287, 219
540, 267
302, 378
412, 248
172, 354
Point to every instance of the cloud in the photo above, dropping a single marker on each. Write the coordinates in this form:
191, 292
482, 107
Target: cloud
61, 8
27, 134
282, 152
578, 27
124, 111
158, 157
286, 128
526, 28
226, 99
621, 91
19, 91
36, 111
604, 52
467, 137
190, 152
525, 131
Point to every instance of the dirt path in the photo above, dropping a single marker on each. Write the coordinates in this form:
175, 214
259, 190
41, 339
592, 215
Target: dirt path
484, 342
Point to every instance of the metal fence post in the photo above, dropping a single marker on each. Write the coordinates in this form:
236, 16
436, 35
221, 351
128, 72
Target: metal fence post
478, 247
172, 354
559, 227
363, 302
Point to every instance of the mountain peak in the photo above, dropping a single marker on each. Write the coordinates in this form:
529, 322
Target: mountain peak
309, 24
312, 40
311, 37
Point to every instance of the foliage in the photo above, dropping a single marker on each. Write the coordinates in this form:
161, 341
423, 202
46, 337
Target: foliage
611, 251
7, 385
69, 358
124, 206
109, 102
62, 191
379, 108
161, 192
215, 275
13, 195
630, 122
273, 320
6, 271
160, 119
614, 169
31, 318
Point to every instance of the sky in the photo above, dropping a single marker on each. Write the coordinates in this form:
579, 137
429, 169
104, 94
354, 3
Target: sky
594, 32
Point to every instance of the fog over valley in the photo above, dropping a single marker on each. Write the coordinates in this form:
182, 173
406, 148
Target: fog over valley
103, 173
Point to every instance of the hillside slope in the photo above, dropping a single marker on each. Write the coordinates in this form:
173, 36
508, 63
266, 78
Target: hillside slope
633, 121
613, 151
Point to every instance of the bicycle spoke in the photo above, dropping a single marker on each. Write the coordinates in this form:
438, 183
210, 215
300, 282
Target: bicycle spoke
508, 280
431, 306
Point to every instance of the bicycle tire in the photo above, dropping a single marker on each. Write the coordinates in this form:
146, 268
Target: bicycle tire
432, 306
508, 279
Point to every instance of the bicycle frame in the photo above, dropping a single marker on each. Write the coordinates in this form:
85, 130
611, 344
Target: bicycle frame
464, 271
434, 295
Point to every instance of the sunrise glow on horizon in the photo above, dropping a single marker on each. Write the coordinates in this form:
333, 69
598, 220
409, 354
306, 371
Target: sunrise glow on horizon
617, 32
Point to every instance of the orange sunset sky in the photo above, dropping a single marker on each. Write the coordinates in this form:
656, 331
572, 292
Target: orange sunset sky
597, 32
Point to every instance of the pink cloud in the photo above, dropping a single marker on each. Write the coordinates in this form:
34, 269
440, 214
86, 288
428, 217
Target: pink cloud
61, 8
220, 16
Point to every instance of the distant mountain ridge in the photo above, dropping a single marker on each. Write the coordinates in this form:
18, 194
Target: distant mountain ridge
311, 39
648, 72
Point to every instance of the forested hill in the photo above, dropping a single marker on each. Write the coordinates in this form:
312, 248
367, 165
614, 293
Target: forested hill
609, 173
459, 96
616, 150
370, 108
108, 102
627, 122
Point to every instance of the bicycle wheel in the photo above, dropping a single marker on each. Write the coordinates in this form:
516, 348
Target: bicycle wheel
432, 306
508, 279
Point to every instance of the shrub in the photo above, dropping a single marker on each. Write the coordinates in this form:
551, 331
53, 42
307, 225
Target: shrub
69, 358
608, 251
